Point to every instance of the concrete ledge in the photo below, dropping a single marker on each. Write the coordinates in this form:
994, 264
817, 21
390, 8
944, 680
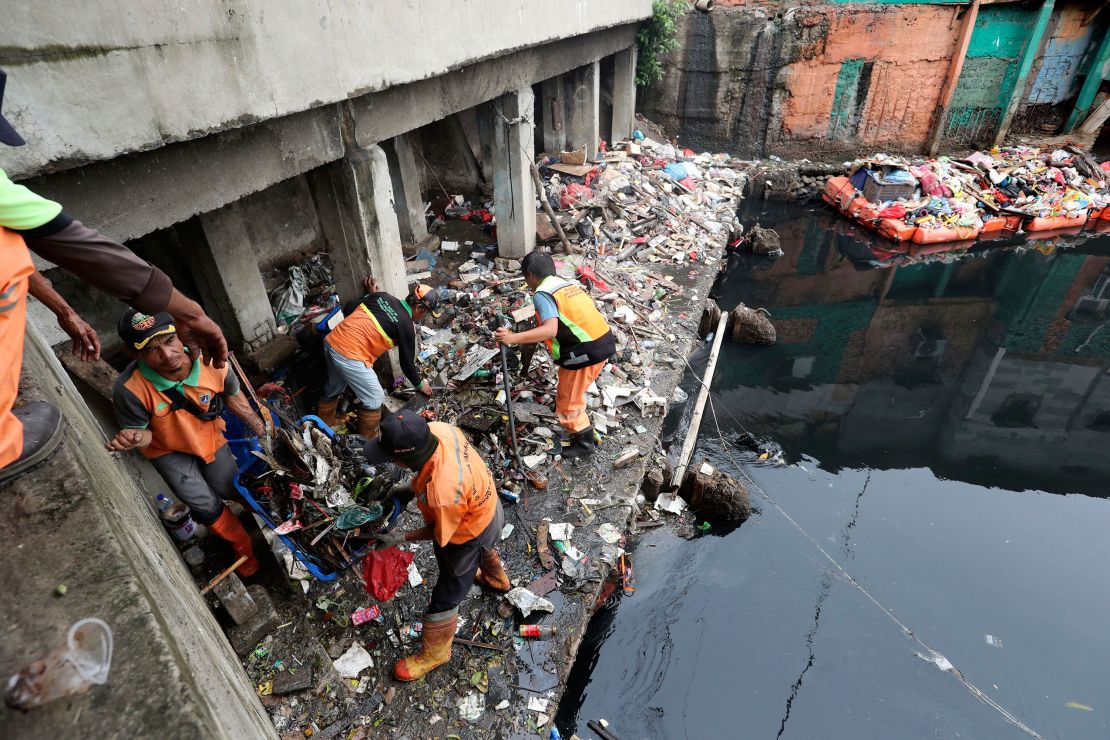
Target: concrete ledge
80, 520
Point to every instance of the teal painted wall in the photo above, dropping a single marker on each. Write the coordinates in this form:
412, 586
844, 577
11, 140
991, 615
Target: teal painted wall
989, 73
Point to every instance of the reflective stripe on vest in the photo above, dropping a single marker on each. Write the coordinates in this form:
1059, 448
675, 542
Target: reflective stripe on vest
377, 325
580, 323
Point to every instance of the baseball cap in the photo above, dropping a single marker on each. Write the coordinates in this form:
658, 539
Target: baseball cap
8, 134
136, 328
403, 435
428, 297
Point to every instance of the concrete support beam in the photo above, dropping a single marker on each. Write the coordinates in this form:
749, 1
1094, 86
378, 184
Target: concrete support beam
407, 184
1025, 64
381, 115
583, 108
229, 280
514, 195
952, 78
360, 224
624, 93
553, 113
1090, 85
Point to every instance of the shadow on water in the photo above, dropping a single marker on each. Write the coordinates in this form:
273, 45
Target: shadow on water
927, 404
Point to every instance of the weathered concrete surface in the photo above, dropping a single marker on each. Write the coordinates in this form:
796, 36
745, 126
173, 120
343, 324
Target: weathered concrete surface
167, 73
792, 80
514, 194
81, 520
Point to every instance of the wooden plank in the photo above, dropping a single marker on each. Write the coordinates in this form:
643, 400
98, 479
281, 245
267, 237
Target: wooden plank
699, 408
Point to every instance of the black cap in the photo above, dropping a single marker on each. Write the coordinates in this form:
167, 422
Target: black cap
428, 297
403, 436
136, 328
8, 134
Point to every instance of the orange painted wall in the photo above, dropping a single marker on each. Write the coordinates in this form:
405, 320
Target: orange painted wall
910, 47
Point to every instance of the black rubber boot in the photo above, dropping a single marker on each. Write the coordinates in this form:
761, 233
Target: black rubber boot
582, 444
42, 435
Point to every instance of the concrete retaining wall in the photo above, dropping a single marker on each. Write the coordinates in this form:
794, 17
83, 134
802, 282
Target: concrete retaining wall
146, 76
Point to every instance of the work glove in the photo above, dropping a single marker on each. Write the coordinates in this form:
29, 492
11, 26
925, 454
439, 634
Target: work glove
390, 539
404, 495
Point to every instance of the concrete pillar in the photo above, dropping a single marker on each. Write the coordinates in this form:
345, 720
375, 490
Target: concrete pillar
230, 282
514, 195
624, 93
583, 108
407, 189
354, 200
553, 113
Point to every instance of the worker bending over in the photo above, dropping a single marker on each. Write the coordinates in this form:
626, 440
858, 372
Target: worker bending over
374, 325
580, 342
169, 406
457, 496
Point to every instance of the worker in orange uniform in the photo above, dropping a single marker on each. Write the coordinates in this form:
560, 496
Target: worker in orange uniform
169, 406
580, 342
456, 494
31, 433
373, 325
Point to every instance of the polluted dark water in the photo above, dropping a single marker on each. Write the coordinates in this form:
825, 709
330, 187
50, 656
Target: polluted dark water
931, 560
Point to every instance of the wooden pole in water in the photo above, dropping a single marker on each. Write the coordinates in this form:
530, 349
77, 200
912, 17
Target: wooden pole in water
699, 407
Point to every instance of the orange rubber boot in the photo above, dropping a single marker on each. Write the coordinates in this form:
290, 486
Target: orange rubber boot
368, 422
439, 633
326, 411
228, 527
490, 573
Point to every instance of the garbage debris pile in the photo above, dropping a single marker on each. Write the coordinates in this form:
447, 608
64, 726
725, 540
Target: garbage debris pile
646, 226
1004, 191
316, 492
644, 200
307, 293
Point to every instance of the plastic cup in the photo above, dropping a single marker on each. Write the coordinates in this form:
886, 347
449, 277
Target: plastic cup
69, 669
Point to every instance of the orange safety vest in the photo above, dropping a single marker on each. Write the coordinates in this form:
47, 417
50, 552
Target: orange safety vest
584, 337
15, 268
181, 431
360, 337
454, 489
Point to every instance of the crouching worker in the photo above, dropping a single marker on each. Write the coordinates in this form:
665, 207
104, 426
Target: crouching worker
456, 494
371, 327
169, 405
580, 342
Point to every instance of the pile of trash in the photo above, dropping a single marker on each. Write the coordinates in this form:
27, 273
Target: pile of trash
929, 201
316, 491
645, 227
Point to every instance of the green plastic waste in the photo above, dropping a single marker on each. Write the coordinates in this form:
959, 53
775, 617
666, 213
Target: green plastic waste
356, 516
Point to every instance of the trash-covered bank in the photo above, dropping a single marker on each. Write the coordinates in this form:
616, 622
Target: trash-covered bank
647, 227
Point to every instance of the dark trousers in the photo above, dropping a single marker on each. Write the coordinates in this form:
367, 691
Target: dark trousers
459, 563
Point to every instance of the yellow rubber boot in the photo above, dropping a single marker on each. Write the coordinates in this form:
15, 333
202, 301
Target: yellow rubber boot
439, 633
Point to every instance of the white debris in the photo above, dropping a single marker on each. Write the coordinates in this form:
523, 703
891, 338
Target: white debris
537, 704
353, 662
561, 532
415, 579
609, 533
507, 530
670, 502
472, 706
527, 602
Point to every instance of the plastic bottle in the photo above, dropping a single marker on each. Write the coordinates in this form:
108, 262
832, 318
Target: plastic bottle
163, 503
538, 630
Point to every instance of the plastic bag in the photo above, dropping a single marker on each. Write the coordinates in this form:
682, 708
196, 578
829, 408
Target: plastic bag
290, 298
384, 572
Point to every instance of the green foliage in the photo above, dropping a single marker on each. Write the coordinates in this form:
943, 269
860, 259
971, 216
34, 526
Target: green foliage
658, 36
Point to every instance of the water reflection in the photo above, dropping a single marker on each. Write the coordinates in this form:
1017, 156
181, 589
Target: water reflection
988, 362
